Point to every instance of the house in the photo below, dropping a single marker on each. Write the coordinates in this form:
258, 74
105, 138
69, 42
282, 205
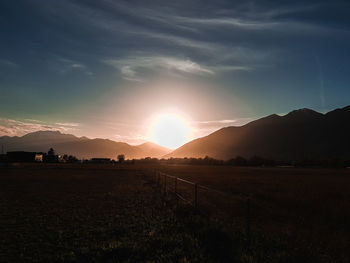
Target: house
21, 157
39, 157
3, 158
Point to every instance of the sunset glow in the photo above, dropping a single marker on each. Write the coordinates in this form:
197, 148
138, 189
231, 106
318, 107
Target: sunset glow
170, 130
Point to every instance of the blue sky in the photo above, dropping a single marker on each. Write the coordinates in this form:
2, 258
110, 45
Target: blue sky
104, 68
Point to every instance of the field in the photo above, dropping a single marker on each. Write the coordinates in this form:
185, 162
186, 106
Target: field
86, 214
91, 213
305, 207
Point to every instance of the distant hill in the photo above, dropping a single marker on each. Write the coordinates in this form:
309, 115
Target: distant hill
300, 134
81, 147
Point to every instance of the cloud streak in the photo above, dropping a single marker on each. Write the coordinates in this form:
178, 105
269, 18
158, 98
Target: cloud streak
11, 127
136, 68
217, 122
222, 123
8, 64
204, 128
132, 138
68, 66
226, 21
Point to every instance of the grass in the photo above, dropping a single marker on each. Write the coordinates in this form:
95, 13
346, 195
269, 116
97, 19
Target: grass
70, 214
298, 207
92, 213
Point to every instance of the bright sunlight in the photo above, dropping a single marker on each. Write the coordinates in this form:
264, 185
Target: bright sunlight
170, 130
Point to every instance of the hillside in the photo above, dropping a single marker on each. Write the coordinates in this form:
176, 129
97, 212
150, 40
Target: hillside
81, 147
300, 134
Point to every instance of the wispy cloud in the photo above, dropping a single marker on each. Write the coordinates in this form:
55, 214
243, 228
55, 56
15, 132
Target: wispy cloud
33, 121
132, 138
242, 17
68, 65
171, 19
225, 68
11, 127
226, 21
203, 128
135, 68
68, 124
156, 26
221, 123
8, 63
127, 72
217, 122
179, 41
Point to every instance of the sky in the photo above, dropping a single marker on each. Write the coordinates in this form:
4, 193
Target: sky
105, 68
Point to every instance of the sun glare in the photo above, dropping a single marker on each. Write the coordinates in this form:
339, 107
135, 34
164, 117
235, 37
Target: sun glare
170, 130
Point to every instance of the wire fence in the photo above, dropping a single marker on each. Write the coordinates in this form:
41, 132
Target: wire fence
207, 199
267, 215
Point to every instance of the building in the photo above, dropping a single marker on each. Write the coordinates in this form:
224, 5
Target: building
21, 157
39, 157
3, 158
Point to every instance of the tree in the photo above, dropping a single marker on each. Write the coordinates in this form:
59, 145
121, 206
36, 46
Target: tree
51, 152
51, 156
72, 159
121, 158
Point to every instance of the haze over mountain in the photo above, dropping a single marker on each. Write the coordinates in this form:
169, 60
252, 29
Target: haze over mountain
80, 147
300, 134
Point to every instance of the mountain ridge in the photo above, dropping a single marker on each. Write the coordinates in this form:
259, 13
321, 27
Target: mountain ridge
81, 147
302, 133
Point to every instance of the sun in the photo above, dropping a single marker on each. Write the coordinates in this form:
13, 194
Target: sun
170, 130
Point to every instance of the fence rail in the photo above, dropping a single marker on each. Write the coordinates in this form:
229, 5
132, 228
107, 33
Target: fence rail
168, 187
172, 184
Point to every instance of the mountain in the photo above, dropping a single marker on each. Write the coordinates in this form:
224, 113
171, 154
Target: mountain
81, 147
153, 150
297, 135
300, 134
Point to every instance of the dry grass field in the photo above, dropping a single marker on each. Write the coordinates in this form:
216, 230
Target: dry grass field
306, 207
91, 213
64, 213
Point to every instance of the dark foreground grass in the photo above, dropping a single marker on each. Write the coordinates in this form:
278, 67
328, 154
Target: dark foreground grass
300, 209
106, 214
65, 214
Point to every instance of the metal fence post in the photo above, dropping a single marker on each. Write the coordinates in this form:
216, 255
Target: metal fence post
176, 196
164, 183
175, 187
195, 195
248, 221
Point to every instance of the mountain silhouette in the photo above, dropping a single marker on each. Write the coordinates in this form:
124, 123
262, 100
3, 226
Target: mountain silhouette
81, 147
300, 134
297, 135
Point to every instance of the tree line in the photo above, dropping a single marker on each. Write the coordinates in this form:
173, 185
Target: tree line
242, 161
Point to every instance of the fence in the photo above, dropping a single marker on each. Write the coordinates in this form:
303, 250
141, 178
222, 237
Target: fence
196, 195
